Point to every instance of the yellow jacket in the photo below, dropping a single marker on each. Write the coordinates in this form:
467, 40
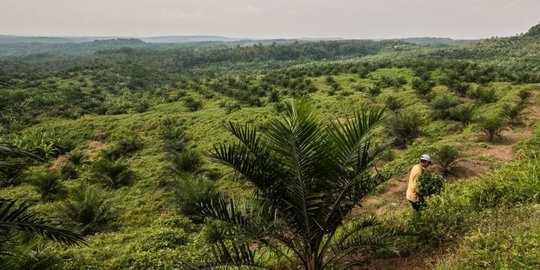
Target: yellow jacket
412, 195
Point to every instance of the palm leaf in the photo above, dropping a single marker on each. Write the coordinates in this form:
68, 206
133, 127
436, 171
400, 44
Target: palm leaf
18, 218
357, 236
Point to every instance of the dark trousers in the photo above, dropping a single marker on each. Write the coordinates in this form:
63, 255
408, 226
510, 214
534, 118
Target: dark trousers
418, 206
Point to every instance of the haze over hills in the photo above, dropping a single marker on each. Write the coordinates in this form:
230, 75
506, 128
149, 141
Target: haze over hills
26, 45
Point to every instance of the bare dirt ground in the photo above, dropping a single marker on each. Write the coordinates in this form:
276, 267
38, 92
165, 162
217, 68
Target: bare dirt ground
94, 146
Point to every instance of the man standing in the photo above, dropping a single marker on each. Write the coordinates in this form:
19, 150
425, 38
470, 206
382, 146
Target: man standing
416, 200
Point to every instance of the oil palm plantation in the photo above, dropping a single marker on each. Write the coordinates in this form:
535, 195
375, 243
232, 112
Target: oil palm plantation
17, 217
307, 176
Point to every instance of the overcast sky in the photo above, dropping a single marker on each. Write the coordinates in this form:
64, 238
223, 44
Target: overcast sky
270, 19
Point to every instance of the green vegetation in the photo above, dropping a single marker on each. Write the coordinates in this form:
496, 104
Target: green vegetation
118, 144
430, 183
307, 178
446, 156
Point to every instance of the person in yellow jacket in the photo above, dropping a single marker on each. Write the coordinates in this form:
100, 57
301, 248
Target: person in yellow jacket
416, 200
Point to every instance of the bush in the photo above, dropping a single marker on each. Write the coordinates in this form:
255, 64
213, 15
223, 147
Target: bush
483, 95
447, 156
87, 209
192, 104
429, 183
524, 94
513, 114
76, 157
443, 105
230, 106
404, 128
374, 91
492, 126
460, 87
68, 171
393, 103
188, 160
274, 96
41, 142
28, 252
174, 133
422, 87
191, 191
462, 205
110, 173
463, 113
122, 148
48, 184
512, 242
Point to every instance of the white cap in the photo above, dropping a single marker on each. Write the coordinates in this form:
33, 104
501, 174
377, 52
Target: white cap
425, 157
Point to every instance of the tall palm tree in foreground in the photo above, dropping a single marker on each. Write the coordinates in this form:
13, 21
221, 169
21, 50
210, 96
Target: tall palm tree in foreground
307, 176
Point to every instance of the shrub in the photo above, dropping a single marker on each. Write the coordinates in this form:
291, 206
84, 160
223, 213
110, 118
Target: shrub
462, 205
48, 184
429, 183
524, 94
110, 173
422, 87
41, 142
443, 105
447, 156
230, 106
513, 113
274, 96
360, 88
492, 126
87, 209
12, 163
192, 104
463, 113
280, 106
404, 128
174, 133
191, 191
122, 148
76, 157
188, 160
483, 95
510, 243
28, 252
374, 91
68, 171
393, 103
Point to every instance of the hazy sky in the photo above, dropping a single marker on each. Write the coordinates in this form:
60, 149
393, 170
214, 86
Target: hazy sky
269, 19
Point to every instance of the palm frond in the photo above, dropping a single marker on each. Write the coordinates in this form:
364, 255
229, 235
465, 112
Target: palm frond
7, 150
252, 221
351, 134
230, 254
18, 218
358, 236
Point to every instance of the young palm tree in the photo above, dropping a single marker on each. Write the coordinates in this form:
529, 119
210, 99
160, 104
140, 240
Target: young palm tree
307, 178
88, 209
